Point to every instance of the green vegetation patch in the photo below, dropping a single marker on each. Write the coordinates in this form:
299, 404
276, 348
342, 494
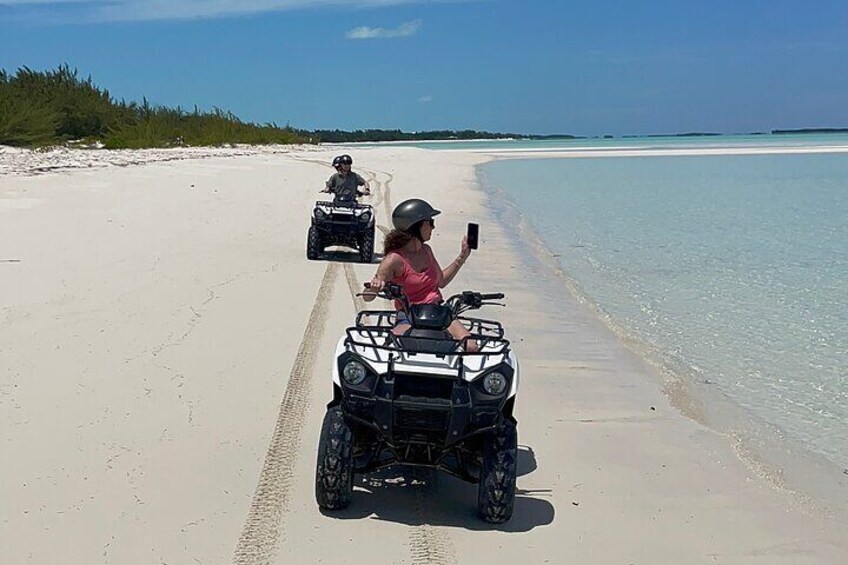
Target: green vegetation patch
56, 106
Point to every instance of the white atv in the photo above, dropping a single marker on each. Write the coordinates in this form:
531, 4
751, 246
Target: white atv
341, 223
421, 399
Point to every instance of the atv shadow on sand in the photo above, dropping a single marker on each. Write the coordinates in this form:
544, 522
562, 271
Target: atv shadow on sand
418, 496
342, 255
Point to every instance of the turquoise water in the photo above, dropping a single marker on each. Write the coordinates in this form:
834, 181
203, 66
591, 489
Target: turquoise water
731, 268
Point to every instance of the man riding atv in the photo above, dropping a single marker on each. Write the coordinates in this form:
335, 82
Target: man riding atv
344, 221
344, 183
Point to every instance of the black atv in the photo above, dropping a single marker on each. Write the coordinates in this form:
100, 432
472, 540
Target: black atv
422, 400
341, 223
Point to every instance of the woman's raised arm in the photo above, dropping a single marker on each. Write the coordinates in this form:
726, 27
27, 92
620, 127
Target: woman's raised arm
449, 272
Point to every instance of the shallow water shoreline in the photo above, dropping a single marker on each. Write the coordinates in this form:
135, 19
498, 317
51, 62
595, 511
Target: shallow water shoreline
765, 449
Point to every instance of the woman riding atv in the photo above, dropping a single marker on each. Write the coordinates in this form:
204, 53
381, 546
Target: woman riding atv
409, 262
344, 183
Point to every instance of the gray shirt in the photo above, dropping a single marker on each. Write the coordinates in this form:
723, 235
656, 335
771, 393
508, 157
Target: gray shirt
344, 186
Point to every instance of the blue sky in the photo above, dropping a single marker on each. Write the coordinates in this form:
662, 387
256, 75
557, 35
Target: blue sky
533, 66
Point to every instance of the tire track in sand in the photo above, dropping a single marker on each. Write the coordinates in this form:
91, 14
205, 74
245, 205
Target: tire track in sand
386, 200
382, 193
428, 545
263, 526
383, 190
353, 286
387, 195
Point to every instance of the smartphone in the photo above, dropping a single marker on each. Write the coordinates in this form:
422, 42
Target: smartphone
473, 235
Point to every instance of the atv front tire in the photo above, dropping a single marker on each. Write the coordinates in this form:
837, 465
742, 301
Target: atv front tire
313, 244
366, 246
334, 470
496, 491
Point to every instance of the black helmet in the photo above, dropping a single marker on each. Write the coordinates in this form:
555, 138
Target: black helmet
346, 159
410, 212
337, 161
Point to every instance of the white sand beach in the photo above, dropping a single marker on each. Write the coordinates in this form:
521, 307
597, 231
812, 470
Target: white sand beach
165, 361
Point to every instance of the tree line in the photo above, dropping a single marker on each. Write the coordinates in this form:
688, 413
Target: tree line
42, 108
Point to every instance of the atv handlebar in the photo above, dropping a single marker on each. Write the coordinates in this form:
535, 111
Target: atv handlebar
390, 291
458, 303
358, 192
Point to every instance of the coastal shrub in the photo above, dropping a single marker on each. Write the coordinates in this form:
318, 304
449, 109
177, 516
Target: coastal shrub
56, 106
84, 110
22, 122
169, 127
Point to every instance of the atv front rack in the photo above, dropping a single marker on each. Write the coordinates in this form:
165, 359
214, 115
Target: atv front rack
352, 205
387, 320
372, 338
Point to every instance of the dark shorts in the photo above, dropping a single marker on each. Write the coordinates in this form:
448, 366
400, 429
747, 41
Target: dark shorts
400, 318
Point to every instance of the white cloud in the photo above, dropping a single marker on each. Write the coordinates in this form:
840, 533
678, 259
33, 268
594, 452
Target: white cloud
426, 99
403, 30
133, 10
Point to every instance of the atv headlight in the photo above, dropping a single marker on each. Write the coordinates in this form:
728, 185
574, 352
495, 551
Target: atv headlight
494, 383
353, 372
320, 214
365, 217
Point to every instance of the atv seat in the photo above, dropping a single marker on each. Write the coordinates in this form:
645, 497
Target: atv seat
427, 341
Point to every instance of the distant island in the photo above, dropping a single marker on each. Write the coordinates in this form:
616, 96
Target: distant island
687, 134
378, 135
808, 130
554, 136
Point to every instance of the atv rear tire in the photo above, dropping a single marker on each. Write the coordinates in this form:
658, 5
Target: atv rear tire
313, 244
496, 491
334, 470
366, 246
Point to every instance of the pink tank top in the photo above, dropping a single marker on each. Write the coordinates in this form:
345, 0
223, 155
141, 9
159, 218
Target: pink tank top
420, 288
